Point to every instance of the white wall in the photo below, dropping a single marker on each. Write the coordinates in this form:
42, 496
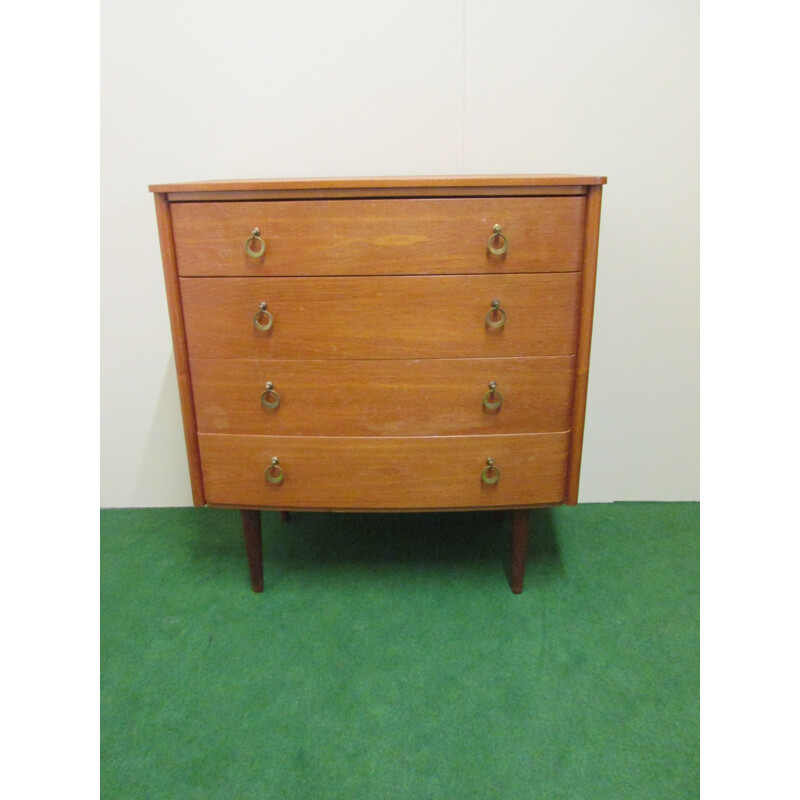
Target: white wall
263, 89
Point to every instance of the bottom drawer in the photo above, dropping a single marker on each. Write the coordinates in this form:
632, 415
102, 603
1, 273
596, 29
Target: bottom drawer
384, 473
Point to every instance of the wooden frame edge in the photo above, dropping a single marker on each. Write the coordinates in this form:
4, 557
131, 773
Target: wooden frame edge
588, 281
377, 193
414, 183
179, 348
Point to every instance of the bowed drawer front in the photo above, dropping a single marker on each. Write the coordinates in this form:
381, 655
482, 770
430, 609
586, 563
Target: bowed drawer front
378, 237
382, 317
400, 397
385, 472
386, 344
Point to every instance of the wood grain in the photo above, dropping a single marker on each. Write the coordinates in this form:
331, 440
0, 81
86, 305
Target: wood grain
383, 398
382, 317
384, 472
379, 237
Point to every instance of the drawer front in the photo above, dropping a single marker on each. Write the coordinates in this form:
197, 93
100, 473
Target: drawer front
383, 398
373, 237
384, 473
382, 317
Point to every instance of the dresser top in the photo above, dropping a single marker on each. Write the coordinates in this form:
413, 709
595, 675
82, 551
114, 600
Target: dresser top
405, 183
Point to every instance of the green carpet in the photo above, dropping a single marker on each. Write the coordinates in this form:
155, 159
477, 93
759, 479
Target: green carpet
387, 657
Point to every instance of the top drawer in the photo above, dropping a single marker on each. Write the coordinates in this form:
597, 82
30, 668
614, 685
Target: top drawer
379, 237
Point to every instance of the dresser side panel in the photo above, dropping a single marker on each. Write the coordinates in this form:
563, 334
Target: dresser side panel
588, 281
180, 351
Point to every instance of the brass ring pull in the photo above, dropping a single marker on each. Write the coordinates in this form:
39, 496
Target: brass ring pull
255, 237
493, 399
490, 474
274, 472
270, 398
497, 237
495, 317
262, 320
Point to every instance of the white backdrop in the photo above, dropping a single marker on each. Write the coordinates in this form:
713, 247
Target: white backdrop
263, 89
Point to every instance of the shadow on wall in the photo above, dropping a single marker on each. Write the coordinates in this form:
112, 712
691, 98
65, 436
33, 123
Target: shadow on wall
163, 473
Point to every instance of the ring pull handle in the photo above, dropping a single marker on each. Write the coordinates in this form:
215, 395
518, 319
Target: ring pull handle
495, 317
274, 472
270, 398
490, 474
262, 320
493, 399
255, 236
498, 241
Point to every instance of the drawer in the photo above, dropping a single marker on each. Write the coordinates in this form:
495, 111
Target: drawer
384, 473
385, 317
373, 237
383, 398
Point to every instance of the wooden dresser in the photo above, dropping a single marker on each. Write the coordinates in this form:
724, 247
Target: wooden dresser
382, 344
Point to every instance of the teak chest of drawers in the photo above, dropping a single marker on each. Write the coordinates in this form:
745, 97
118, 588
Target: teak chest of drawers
382, 344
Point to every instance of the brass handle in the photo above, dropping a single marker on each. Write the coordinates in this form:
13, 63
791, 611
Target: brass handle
497, 238
493, 399
255, 236
274, 472
270, 398
495, 317
490, 472
262, 320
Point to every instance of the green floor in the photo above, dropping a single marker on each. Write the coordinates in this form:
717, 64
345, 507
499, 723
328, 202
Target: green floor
387, 657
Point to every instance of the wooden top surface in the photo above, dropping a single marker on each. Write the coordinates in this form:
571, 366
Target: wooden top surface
464, 181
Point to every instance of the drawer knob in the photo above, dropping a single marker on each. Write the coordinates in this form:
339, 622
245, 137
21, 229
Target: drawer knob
274, 472
255, 237
262, 320
495, 316
490, 474
493, 399
270, 398
498, 241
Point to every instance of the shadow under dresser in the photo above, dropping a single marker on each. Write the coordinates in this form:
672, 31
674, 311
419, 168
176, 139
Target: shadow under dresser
387, 344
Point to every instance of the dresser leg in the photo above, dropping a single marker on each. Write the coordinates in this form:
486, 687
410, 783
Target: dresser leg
285, 516
251, 523
520, 524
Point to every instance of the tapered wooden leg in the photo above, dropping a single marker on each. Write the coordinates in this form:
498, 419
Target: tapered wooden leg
520, 524
251, 523
285, 516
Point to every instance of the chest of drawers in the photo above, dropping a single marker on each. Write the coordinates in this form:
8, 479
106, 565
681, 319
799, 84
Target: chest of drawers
396, 344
